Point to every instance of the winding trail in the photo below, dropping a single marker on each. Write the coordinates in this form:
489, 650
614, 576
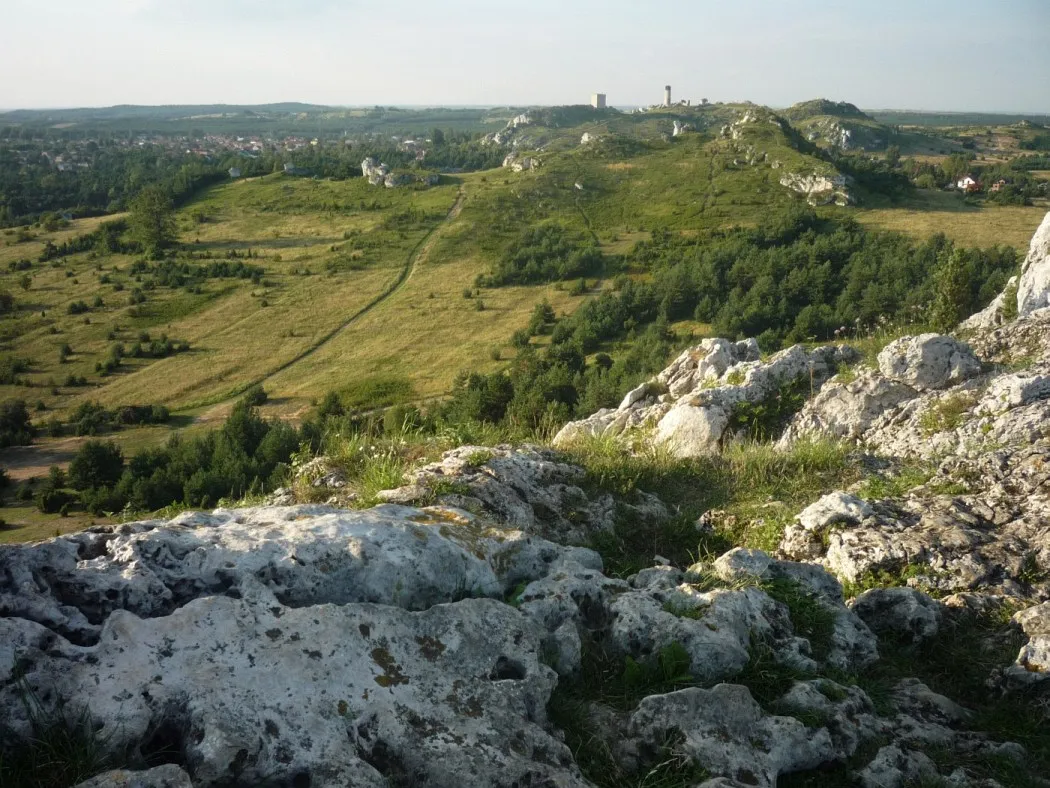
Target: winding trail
419, 254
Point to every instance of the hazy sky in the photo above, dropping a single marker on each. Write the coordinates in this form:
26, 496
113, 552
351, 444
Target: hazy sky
926, 54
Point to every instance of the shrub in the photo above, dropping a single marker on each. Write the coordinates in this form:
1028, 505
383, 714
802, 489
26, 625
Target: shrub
51, 501
255, 396
15, 426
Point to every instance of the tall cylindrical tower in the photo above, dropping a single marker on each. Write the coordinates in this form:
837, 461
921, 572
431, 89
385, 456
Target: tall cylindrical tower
667, 95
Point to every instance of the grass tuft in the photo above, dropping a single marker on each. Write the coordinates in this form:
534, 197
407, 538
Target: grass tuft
63, 749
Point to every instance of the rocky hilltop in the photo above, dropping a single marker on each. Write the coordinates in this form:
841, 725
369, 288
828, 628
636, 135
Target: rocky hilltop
467, 631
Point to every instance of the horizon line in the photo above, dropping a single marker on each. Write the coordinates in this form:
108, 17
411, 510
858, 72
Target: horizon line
67, 108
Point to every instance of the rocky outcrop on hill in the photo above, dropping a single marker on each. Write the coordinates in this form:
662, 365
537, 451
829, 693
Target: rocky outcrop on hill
526, 488
1033, 288
681, 128
819, 189
305, 645
690, 406
508, 134
931, 398
374, 171
520, 163
379, 174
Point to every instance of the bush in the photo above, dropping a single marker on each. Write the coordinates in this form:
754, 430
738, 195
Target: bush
90, 418
15, 426
11, 368
53, 501
255, 396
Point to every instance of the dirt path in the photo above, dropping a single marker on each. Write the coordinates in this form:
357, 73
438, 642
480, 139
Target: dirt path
418, 255
24, 462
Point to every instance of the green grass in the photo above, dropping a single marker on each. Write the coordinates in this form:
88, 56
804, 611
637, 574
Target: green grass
898, 483
947, 413
758, 488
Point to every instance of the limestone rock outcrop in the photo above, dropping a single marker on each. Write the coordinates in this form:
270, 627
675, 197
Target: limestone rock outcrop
520, 163
1033, 288
1027, 294
819, 189
526, 488
689, 406
928, 361
303, 644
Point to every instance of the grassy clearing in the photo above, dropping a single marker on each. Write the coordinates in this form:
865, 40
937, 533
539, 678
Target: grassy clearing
932, 212
25, 523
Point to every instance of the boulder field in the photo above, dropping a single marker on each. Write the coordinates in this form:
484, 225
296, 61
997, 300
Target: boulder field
428, 641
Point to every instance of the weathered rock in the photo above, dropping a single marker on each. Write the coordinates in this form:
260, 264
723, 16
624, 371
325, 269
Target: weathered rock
692, 431
1022, 341
819, 189
688, 407
846, 410
994, 314
725, 731
836, 507
374, 171
1015, 390
902, 615
994, 538
346, 695
526, 488
1033, 288
928, 361
715, 628
851, 645
1033, 663
305, 555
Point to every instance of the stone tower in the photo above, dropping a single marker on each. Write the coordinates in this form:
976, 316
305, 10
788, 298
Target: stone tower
667, 95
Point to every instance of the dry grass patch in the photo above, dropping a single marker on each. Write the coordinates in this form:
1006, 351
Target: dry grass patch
935, 212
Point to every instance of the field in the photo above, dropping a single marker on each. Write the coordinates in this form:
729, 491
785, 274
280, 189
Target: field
932, 212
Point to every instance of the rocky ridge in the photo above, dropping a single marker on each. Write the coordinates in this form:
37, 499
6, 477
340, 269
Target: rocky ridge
442, 632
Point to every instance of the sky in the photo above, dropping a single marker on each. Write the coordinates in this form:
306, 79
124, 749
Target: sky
965, 55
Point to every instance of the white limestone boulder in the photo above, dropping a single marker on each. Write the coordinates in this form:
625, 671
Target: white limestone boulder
928, 361
1033, 288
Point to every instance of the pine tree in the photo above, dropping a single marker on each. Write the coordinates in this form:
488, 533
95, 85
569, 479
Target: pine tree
951, 292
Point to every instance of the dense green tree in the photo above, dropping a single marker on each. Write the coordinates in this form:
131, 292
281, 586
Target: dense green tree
152, 219
951, 292
96, 464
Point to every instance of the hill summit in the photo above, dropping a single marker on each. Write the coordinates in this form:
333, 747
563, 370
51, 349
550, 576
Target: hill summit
824, 107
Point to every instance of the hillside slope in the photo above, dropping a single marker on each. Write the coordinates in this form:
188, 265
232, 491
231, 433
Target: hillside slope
862, 601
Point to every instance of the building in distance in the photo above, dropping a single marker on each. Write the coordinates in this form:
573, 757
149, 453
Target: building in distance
598, 100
